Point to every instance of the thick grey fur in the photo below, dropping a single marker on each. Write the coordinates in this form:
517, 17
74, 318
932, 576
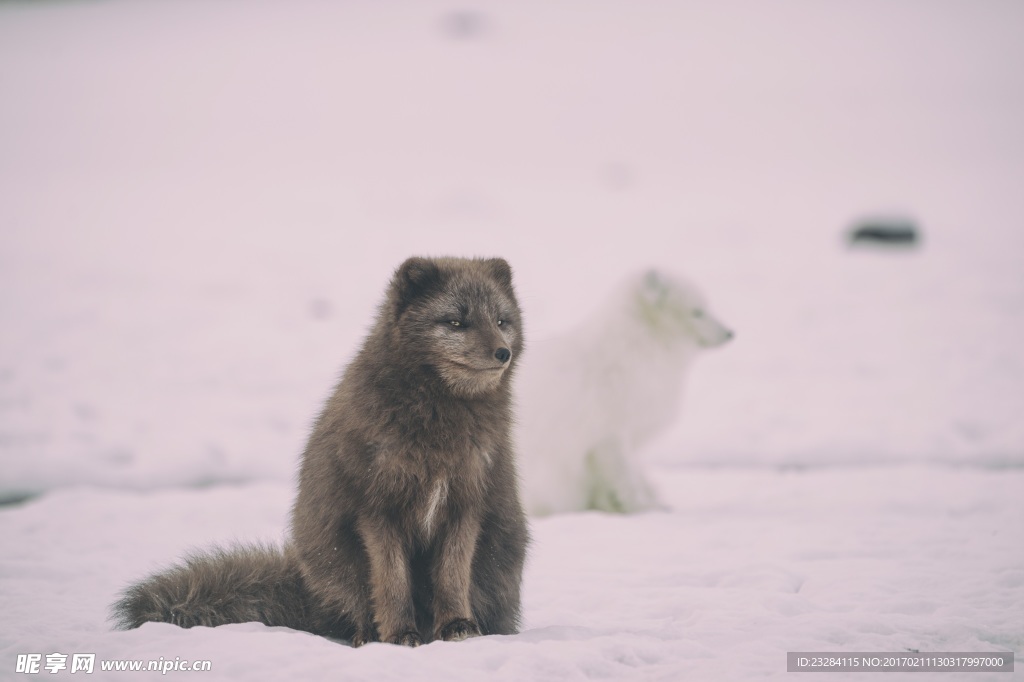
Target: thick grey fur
407, 526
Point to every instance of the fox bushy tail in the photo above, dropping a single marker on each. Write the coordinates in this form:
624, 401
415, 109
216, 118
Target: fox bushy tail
240, 584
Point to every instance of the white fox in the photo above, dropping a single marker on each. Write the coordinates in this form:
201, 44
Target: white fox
588, 400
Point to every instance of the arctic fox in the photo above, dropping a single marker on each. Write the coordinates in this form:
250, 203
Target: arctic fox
589, 399
407, 526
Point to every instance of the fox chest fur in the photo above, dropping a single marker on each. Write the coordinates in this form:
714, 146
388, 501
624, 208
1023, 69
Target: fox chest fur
424, 485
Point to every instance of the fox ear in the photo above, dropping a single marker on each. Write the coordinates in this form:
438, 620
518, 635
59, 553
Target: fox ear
414, 278
501, 271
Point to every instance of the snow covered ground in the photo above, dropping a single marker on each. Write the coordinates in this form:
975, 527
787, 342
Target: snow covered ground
748, 565
200, 204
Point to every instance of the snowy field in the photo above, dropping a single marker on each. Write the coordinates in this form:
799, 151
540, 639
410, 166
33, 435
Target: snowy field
200, 205
747, 566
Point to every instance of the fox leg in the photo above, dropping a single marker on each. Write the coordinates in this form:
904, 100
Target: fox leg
390, 584
451, 575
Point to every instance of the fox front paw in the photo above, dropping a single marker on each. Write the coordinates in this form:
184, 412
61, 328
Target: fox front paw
365, 636
406, 639
458, 630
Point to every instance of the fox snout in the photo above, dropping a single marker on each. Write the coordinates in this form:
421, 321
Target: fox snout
713, 334
493, 343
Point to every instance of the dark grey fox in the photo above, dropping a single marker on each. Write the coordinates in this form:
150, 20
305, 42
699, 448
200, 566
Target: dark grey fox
407, 526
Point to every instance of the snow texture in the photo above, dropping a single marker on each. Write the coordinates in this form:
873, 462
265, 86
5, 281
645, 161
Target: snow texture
201, 203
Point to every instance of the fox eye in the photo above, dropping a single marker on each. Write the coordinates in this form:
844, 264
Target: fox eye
455, 323
501, 323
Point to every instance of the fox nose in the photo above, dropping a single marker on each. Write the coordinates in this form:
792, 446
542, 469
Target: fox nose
503, 354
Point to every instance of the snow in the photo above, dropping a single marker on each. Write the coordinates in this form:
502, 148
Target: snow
200, 204
747, 565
